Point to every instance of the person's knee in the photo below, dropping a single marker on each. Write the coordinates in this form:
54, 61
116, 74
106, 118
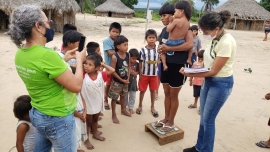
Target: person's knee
142, 92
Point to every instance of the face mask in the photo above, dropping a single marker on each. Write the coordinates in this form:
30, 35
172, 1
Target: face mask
49, 34
209, 37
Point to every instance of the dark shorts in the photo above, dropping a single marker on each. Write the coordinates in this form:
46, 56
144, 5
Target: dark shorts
172, 76
267, 31
196, 91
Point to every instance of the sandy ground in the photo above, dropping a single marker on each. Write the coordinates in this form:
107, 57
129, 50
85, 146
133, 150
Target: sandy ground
241, 122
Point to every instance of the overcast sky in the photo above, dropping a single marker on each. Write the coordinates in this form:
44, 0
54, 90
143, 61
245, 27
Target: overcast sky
157, 3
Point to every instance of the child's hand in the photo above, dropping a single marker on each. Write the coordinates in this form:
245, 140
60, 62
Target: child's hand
190, 83
140, 77
189, 61
102, 64
125, 81
171, 18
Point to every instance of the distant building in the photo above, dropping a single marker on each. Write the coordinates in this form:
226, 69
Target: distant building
246, 15
60, 11
114, 8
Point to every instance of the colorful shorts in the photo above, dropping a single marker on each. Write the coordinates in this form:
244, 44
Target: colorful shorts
117, 89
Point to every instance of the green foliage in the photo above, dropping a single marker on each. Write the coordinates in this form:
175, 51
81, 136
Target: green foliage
130, 3
265, 4
208, 5
141, 13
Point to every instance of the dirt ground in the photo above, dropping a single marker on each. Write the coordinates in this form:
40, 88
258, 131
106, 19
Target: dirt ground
241, 122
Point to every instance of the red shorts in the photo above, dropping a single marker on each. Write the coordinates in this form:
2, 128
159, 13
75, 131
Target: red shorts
151, 80
109, 80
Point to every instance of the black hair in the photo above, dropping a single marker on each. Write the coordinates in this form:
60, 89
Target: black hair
22, 106
96, 58
211, 20
166, 9
73, 69
200, 54
185, 5
150, 32
194, 27
119, 40
115, 25
134, 53
91, 47
68, 27
71, 37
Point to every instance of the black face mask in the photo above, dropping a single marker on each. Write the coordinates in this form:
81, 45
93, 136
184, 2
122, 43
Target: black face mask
49, 34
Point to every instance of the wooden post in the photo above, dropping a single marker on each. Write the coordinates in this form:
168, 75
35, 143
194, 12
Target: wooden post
264, 25
234, 23
50, 15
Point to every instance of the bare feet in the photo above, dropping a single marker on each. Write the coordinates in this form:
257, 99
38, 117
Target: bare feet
98, 132
115, 120
98, 137
80, 150
99, 126
124, 112
264, 40
101, 114
99, 118
88, 145
131, 111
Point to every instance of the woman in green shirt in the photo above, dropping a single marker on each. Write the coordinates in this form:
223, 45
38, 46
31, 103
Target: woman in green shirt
50, 84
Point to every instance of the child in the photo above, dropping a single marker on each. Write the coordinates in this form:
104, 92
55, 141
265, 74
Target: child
120, 80
108, 47
178, 29
80, 119
196, 43
26, 132
197, 81
93, 91
68, 27
149, 58
132, 86
93, 47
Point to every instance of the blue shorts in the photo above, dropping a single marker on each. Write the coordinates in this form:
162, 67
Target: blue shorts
159, 70
174, 43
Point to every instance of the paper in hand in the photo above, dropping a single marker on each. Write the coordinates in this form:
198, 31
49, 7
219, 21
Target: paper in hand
196, 70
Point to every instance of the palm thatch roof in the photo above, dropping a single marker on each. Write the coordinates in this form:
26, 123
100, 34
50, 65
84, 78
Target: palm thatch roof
59, 6
245, 9
114, 6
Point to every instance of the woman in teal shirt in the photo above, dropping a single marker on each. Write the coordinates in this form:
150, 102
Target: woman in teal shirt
48, 80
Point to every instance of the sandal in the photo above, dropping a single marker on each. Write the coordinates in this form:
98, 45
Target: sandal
155, 114
192, 106
262, 144
138, 111
159, 124
167, 129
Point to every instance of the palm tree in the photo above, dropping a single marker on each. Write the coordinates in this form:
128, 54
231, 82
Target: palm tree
209, 5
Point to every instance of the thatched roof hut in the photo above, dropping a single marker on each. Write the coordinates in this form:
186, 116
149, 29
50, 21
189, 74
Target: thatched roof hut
114, 8
246, 14
60, 11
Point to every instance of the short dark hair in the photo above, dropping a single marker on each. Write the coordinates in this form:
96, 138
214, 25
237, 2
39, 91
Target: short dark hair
166, 9
68, 27
134, 53
150, 32
211, 20
71, 37
184, 5
194, 27
91, 47
96, 58
116, 25
119, 40
22, 106
200, 54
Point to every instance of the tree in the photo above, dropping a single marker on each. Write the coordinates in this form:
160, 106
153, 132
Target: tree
130, 3
209, 5
265, 4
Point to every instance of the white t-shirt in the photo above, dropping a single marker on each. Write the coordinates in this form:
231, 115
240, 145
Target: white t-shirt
29, 140
226, 47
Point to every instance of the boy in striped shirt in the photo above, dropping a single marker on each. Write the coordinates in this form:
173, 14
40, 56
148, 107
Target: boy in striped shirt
149, 58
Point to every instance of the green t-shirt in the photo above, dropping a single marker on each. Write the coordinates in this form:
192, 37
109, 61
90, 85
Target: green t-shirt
38, 66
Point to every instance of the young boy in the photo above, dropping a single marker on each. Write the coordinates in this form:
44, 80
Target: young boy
93, 47
71, 41
108, 47
120, 81
196, 81
196, 43
132, 86
149, 58
68, 27
178, 29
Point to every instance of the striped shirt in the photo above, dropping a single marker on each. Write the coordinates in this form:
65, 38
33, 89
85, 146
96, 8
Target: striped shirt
149, 59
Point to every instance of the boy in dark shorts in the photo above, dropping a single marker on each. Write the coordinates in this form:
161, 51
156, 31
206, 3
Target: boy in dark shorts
196, 82
108, 48
120, 80
267, 29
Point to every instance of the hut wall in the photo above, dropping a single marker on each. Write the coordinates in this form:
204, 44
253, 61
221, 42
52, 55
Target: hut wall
114, 14
257, 25
249, 25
